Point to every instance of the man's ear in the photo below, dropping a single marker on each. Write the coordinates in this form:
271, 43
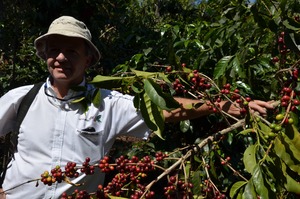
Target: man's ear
88, 61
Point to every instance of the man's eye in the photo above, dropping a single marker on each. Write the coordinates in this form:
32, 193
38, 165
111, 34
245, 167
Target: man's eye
53, 50
74, 52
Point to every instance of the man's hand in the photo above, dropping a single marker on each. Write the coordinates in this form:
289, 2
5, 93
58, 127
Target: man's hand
258, 106
2, 195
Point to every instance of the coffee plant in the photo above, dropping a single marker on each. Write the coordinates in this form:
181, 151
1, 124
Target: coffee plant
210, 51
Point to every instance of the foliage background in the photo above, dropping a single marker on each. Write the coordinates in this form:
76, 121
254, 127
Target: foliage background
142, 34
229, 41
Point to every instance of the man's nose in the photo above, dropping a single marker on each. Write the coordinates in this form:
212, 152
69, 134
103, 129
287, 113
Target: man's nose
61, 57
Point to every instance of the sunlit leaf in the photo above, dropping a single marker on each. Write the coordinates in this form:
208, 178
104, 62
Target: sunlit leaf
185, 125
109, 82
78, 100
237, 70
249, 191
249, 158
145, 108
236, 187
291, 184
97, 98
247, 131
152, 115
144, 74
285, 149
162, 100
244, 86
259, 183
221, 66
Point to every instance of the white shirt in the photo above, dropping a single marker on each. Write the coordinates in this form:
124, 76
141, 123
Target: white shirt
53, 133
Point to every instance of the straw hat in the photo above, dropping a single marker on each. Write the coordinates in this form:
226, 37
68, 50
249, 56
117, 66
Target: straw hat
70, 27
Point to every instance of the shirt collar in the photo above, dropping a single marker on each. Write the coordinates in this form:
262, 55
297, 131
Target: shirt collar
71, 93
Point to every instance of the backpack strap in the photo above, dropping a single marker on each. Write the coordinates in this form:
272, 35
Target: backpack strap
22, 111
11, 139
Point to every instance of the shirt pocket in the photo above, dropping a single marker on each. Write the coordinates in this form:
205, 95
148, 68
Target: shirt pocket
91, 142
91, 134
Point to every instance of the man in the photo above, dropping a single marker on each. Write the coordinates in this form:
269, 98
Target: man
56, 131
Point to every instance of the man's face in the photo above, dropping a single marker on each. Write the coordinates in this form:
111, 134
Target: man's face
67, 59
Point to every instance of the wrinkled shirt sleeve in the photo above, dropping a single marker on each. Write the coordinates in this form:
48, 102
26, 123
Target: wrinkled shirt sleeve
9, 104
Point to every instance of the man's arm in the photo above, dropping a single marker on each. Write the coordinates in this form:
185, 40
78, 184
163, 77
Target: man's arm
185, 112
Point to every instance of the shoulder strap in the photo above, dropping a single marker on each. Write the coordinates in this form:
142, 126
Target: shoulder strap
11, 139
22, 111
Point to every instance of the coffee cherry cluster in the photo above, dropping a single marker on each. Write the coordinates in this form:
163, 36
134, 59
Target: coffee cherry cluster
289, 102
209, 191
129, 180
104, 165
159, 156
178, 87
47, 178
56, 175
283, 50
82, 194
130, 172
289, 94
198, 83
281, 44
87, 168
178, 189
71, 170
235, 96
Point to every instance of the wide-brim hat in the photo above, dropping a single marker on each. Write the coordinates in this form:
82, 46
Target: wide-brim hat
70, 27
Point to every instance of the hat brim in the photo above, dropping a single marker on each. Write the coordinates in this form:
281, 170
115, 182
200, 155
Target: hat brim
40, 46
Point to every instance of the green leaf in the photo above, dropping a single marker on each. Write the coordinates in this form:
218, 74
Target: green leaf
236, 187
259, 183
137, 87
288, 25
144, 74
264, 128
292, 185
244, 86
249, 191
162, 100
137, 58
147, 51
152, 115
221, 66
145, 108
153, 93
286, 150
196, 179
236, 69
78, 100
293, 134
185, 126
97, 98
109, 82
246, 131
249, 158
